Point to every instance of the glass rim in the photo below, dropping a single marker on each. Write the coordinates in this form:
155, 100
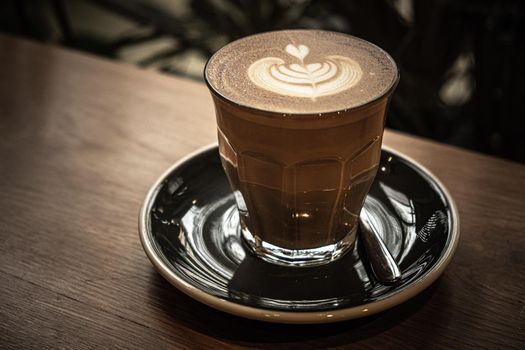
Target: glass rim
367, 103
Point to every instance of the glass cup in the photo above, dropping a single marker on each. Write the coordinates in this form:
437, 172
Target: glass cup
300, 180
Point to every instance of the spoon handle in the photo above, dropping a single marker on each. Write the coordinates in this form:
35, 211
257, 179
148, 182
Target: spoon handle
383, 265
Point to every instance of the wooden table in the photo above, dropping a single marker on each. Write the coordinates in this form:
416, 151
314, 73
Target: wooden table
81, 141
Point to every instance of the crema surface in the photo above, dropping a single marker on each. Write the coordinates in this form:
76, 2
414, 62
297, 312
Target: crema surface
301, 72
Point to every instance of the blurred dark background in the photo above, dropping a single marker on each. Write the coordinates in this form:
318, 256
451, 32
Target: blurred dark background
462, 61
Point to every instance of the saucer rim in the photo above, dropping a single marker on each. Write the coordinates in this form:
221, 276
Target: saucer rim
298, 317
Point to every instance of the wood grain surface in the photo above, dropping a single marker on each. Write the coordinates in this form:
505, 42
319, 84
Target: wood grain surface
81, 141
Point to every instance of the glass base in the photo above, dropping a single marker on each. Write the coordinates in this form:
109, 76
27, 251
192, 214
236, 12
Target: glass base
299, 257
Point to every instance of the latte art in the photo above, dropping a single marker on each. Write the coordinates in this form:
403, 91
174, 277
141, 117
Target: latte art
303, 72
300, 79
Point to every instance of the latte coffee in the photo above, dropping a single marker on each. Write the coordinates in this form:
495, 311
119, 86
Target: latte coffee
300, 117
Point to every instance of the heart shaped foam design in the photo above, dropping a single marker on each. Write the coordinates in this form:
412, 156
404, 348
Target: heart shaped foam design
300, 51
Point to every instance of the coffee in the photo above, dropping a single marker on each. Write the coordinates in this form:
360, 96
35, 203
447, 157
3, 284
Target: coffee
301, 72
300, 119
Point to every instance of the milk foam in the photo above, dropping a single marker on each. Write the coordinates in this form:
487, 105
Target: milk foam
301, 72
294, 76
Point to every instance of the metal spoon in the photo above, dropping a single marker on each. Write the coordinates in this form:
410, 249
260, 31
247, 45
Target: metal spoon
383, 265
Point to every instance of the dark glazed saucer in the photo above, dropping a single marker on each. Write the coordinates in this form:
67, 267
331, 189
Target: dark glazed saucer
189, 228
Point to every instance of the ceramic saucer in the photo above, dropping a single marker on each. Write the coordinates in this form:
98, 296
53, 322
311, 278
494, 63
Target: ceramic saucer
189, 228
